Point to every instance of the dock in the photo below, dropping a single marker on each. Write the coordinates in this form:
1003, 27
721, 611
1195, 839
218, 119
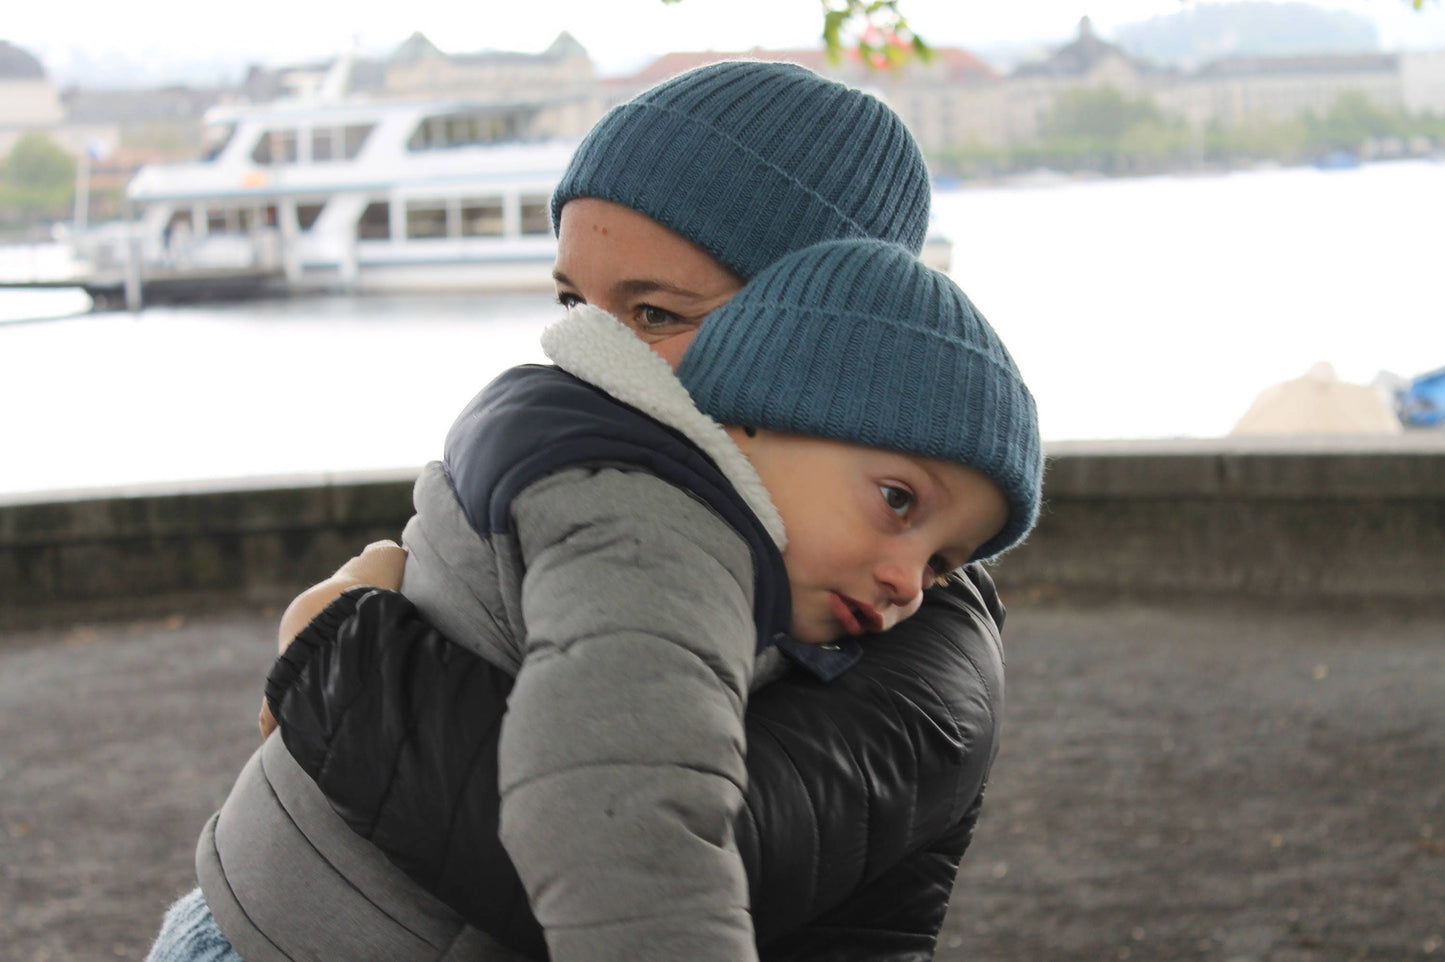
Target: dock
108, 290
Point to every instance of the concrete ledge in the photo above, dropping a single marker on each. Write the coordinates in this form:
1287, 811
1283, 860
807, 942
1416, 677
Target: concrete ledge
1340, 521
1351, 520
95, 555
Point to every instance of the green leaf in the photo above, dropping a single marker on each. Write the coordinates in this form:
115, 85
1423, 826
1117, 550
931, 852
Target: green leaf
847, 22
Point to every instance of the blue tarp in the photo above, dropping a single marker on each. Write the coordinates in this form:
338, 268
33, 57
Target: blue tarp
1421, 403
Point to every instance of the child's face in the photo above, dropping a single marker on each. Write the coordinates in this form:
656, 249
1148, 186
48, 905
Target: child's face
868, 529
657, 282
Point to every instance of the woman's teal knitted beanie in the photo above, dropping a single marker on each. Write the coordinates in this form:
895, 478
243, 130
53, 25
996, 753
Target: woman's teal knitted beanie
750, 160
858, 341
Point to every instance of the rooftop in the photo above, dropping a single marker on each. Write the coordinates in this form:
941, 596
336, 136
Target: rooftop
950, 63
1080, 57
19, 64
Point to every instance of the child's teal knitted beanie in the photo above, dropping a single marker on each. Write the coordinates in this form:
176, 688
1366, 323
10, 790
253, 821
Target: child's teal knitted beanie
750, 160
858, 341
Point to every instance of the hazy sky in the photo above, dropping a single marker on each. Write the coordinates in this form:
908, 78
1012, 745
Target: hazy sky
157, 36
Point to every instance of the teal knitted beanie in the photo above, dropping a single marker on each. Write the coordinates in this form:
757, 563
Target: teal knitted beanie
858, 341
750, 160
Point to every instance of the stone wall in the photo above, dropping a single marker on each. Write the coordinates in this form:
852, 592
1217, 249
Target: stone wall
1342, 521
144, 553
1348, 522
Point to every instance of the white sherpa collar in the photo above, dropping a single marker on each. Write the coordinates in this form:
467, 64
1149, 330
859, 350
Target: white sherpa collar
593, 345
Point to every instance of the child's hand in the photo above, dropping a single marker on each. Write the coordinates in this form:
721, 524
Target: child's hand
380, 565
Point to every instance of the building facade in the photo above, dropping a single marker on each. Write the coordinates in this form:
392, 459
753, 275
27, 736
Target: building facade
28, 100
953, 96
561, 81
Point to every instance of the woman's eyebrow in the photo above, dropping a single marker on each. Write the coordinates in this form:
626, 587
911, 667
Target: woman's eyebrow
633, 288
639, 287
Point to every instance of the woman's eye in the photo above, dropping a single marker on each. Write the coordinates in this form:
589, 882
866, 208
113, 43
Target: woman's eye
654, 317
938, 572
568, 300
899, 500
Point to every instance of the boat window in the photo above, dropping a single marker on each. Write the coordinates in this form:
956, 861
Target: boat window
375, 223
239, 220
422, 138
460, 129
321, 145
482, 217
215, 139
426, 219
275, 147
353, 138
222, 220
536, 216
466, 128
306, 214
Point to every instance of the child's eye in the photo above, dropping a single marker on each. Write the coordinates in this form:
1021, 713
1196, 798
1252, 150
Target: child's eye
899, 500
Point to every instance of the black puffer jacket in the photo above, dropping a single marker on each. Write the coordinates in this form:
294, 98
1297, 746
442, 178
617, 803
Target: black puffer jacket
862, 792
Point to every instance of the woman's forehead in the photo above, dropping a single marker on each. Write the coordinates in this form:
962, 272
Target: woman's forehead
599, 239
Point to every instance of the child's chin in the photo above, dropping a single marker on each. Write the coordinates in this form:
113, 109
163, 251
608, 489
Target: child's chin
816, 634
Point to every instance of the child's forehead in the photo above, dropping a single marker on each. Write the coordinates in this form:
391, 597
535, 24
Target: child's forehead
938, 470
952, 474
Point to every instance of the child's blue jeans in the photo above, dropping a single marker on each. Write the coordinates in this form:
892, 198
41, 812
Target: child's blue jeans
190, 934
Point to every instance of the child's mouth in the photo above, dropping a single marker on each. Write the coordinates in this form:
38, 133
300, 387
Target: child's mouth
854, 616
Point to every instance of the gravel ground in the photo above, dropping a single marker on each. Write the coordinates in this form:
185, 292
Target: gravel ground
1174, 784
1206, 785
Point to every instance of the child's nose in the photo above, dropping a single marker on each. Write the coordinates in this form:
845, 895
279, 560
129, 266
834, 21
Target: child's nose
902, 582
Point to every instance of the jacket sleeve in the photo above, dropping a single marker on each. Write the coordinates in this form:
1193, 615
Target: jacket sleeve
621, 761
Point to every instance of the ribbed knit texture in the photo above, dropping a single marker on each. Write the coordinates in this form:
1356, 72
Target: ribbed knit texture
858, 341
750, 160
189, 933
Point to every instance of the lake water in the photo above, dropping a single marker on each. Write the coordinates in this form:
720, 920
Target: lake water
1141, 308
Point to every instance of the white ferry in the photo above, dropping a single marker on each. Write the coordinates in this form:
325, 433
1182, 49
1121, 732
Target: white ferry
358, 196
320, 193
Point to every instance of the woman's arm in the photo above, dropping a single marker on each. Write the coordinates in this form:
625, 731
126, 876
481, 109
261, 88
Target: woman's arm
894, 918
921, 708
849, 779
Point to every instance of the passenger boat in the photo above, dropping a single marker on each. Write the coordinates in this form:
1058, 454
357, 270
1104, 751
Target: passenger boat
328, 194
357, 196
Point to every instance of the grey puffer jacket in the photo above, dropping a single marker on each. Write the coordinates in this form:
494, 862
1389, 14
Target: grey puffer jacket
636, 593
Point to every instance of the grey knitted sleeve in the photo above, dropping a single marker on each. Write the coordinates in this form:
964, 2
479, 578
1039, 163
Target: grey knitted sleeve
622, 757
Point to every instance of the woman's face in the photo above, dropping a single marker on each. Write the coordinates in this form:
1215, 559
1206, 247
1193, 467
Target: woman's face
655, 281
